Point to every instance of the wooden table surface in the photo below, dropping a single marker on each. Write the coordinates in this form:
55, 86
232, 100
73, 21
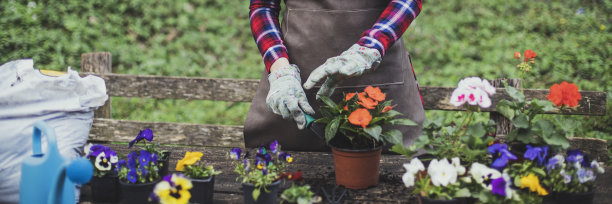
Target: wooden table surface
318, 171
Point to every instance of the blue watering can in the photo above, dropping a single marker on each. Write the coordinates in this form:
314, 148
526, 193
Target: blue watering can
50, 177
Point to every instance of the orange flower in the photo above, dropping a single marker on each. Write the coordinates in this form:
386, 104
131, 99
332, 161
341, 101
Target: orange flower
375, 93
564, 94
346, 108
348, 96
360, 117
517, 55
366, 102
386, 109
529, 54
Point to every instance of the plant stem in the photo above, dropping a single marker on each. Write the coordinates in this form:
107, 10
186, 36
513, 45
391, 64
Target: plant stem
461, 129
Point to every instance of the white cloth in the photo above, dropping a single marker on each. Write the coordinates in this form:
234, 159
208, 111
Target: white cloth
65, 102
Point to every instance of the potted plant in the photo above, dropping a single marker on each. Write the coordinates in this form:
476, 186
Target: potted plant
260, 175
572, 178
138, 174
441, 182
354, 130
202, 177
164, 155
104, 183
172, 189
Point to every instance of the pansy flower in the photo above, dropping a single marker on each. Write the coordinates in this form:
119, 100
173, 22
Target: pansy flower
502, 186
555, 162
189, 159
536, 152
146, 134
283, 156
441, 172
274, 147
501, 154
235, 153
412, 168
173, 189
132, 176
533, 183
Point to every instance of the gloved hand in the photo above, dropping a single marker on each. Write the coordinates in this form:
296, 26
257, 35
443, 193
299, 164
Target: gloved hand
352, 62
286, 96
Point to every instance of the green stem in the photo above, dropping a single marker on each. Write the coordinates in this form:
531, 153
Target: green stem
522, 81
462, 130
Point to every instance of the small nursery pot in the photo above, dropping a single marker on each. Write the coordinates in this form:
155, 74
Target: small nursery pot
166, 162
105, 189
567, 198
264, 197
136, 193
202, 191
356, 169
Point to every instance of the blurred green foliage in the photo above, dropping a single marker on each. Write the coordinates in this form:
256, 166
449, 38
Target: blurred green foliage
449, 40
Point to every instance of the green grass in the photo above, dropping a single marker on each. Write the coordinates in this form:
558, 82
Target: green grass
449, 40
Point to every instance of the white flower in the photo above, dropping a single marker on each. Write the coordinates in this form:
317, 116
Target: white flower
474, 91
457, 164
480, 172
102, 163
87, 149
412, 168
442, 172
595, 165
508, 188
466, 179
114, 159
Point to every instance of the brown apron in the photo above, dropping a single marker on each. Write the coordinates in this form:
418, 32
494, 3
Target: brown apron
313, 31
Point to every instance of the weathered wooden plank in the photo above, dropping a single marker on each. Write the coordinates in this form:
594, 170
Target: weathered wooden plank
173, 87
243, 90
100, 63
109, 130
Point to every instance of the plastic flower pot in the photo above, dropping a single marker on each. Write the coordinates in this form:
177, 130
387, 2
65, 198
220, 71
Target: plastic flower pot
582, 198
105, 189
425, 200
166, 162
202, 191
264, 197
356, 169
136, 193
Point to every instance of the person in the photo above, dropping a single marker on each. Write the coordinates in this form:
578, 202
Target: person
344, 45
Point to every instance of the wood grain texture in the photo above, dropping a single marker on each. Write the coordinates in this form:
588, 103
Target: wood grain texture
243, 90
109, 130
100, 63
318, 171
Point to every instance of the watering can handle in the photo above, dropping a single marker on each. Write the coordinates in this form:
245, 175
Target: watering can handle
39, 127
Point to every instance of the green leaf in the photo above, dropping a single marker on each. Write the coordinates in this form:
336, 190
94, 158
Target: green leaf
256, 193
392, 113
393, 136
332, 128
403, 121
521, 121
400, 149
374, 131
515, 94
504, 107
328, 101
463, 193
540, 173
476, 130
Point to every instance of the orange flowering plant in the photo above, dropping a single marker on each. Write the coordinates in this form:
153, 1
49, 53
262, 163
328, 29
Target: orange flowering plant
357, 121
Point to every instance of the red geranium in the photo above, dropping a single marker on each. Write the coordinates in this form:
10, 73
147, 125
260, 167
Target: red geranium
564, 94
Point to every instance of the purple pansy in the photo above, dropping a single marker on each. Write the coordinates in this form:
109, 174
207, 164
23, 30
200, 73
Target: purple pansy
554, 162
132, 160
274, 147
168, 178
536, 152
499, 186
500, 151
235, 153
146, 134
96, 149
578, 157
132, 176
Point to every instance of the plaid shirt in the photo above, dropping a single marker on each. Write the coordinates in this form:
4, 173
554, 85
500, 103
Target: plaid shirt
389, 27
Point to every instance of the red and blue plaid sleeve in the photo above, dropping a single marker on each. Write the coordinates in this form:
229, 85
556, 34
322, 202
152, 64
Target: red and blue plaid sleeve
265, 28
391, 24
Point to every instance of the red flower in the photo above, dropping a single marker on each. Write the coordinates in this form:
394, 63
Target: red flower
564, 94
375, 93
517, 55
348, 96
294, 176
386, 109
529, 54
366, 102
360, 117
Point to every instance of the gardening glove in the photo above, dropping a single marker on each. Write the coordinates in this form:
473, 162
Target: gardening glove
352, 62
286, 96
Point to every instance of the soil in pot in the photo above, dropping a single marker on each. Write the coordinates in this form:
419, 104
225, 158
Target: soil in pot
203, 190
136, 193
264, 197
105, 189
356, 169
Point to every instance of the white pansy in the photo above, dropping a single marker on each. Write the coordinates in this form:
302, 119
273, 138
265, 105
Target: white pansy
414, 166
114, 159
441, 172
100, 160
480, 172
408, 179
457, 164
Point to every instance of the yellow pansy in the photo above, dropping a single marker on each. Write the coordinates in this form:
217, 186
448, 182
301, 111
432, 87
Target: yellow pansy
189, 159
533, 183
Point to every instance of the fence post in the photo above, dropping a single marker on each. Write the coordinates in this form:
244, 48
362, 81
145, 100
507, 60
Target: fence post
504, 126
99, 63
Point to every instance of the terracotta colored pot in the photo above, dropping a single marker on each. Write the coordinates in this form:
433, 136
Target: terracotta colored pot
356, 169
